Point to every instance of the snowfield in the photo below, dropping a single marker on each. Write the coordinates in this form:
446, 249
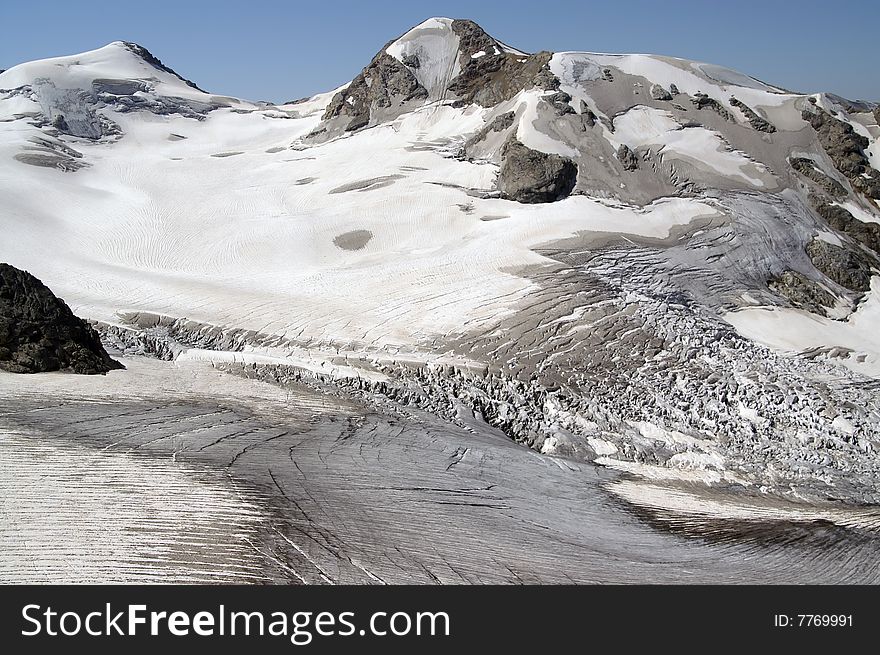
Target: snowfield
796, 331
436, 47
216, 228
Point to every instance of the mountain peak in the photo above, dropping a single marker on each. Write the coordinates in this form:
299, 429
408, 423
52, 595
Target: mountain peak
438, 49
116, 60
434, 22
152, 60
441, 60
70, 90
430, 51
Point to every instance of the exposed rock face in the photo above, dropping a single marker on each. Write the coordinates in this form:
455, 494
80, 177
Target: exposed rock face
60, 123
502, 122
847, 267
383, 88
802, 292
50, 160
757, 122
51, 153
561, 102
846, 148
472, 38
490, 80
154, 61
39, 333
498, 124
868, 234
498, 75
627, 157
530, 176
808, 168
659, 93
588, 118
385, 83
412, 61
702, 101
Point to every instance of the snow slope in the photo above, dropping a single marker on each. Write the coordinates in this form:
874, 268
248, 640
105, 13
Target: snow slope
115, 61
854, 341
217, 228
435, 46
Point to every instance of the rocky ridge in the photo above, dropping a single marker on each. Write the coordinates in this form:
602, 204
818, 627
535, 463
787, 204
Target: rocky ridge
383, 88
846, 148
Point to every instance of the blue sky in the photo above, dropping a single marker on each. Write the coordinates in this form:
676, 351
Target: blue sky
272, 50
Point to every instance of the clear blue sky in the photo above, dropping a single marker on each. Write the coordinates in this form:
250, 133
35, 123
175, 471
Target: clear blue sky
272, 50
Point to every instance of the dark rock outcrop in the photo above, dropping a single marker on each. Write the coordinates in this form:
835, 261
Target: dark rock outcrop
850, 268
702, 101
588, 118
846, 149
868, 234
383, 89
60, 124
627, 157
659, 93
472, 39
807, 168
498, 75
155, 62
502, 122
561, 102
757, 122
383, 84
490, 80
51, 153
39, 332
498, 124
412, 61
50, 160
802, 292
530, 176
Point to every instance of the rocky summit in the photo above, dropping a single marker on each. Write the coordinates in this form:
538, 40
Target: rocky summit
39, 333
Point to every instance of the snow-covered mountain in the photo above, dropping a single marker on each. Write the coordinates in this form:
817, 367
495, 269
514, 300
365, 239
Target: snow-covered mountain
657, 264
